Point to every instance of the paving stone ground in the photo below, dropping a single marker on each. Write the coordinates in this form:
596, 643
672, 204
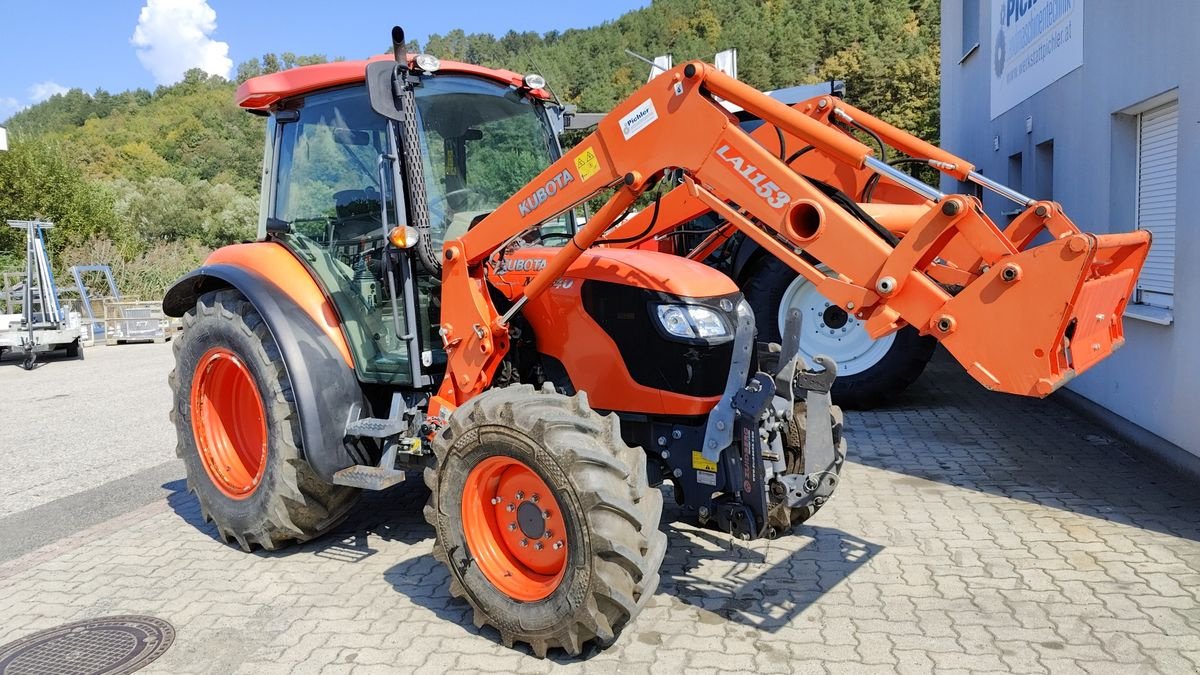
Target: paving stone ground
972, 532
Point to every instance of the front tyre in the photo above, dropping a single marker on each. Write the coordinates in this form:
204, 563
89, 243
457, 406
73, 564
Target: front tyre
239, 433
544, 518
869, 371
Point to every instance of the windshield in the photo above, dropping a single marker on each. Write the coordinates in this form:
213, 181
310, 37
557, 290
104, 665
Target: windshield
483, 142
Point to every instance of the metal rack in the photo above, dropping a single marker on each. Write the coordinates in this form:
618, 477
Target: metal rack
42, 325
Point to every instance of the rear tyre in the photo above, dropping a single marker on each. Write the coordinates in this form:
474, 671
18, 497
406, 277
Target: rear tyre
870, 372
780, 516
72, 350
239, 433
600, 543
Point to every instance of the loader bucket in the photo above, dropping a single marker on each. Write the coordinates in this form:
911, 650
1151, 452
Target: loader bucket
1040, 317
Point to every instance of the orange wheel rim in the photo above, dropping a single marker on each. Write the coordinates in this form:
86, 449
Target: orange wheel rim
514, 528
229, 423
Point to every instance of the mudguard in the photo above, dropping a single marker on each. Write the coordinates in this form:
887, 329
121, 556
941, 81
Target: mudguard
323, 386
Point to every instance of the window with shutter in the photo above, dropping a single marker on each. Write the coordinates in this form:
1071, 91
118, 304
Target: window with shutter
1158, 148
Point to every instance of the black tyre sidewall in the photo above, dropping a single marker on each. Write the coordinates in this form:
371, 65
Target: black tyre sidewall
467, 452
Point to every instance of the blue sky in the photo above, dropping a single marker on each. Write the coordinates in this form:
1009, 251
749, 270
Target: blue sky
54, 45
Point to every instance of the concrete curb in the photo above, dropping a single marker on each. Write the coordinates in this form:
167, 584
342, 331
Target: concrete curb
1153, 446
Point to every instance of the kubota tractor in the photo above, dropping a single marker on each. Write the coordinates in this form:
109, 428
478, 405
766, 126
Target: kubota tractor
419, 297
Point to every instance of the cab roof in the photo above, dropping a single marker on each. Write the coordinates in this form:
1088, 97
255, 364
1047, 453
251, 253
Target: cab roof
263, 92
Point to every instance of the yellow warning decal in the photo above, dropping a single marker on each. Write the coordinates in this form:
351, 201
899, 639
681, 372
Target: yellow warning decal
701, 464
587, 164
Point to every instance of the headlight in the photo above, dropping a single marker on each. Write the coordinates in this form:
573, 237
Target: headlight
534, 81
692, 322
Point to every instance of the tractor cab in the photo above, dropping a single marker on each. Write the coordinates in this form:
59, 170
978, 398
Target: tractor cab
332, 193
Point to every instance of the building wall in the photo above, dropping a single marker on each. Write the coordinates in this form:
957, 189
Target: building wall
1132, 52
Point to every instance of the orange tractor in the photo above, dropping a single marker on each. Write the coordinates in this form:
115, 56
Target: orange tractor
421, 297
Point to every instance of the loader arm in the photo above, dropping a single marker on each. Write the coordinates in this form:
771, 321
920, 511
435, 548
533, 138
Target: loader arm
1025, 322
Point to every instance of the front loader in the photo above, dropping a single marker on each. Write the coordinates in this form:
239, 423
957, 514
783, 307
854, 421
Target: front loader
420, 297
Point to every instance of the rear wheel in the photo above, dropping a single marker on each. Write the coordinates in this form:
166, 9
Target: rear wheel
238, 430
73, 350
869, 371
544, 518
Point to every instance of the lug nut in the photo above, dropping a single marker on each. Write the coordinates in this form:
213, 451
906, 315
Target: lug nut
545, 515
512, 527
524, 542
510, 508
538, 546
558, 544
662, 440
520, 495
496, 500
534, 498
549, 534
677, 434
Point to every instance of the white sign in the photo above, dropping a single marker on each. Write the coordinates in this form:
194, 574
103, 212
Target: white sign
641, 117
726, 62
1034, 42
3, 139
661, 65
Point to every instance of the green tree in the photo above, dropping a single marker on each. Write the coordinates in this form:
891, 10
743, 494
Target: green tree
36, 181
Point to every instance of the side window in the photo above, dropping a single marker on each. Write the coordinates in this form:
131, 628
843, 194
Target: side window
328, 190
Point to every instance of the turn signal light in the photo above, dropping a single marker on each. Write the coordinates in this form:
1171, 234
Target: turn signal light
403, 236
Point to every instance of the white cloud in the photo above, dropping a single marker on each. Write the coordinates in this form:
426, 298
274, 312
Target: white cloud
44, 90
172, 36
8, 105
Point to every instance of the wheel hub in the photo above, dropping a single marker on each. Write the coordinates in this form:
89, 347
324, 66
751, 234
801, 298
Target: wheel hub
830, 330
835, 317
529, 519
229, 423
514, 528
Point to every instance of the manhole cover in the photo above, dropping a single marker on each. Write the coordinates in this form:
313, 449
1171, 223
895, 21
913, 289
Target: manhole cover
108, 645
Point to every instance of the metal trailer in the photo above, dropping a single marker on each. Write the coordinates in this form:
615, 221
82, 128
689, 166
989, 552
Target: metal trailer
136, 321
42, 325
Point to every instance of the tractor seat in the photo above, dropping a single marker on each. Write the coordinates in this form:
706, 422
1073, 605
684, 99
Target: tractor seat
357, 214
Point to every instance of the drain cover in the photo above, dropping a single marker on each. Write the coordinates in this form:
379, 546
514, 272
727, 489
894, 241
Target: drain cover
104, 646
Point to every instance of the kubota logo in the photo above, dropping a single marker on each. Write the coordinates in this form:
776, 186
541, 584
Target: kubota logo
520, 265
545, 192
766, 189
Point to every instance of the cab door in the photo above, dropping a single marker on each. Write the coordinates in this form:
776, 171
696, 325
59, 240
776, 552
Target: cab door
332, 198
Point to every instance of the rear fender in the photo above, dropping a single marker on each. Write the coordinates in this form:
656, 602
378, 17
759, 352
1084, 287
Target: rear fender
324, 386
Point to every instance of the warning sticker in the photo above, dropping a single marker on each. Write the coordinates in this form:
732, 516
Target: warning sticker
706, 478
587, 164
701, 464
641, 117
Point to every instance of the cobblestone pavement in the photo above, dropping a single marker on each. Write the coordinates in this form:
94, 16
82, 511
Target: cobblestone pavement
972, 533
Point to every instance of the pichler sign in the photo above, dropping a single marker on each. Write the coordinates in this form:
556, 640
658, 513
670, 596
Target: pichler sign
1035, 42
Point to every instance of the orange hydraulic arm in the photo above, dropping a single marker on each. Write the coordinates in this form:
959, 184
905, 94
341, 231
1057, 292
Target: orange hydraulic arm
1025, 322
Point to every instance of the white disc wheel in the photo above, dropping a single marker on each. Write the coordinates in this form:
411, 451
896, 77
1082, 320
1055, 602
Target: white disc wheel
828, 329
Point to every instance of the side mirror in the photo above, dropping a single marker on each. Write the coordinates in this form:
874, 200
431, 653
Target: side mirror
472, 135
381, 78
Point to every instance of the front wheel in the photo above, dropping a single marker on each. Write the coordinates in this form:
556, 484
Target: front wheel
544, 518
869, 371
